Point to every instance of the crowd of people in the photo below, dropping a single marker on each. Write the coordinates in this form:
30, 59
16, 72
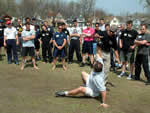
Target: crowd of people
113, 47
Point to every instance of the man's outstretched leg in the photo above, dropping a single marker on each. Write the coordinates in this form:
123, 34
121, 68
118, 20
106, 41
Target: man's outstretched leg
80, 90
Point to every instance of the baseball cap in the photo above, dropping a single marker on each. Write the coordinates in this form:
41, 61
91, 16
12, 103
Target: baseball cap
8, 22
113, 28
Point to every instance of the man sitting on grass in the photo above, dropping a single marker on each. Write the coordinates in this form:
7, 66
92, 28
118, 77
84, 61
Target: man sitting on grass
94, 84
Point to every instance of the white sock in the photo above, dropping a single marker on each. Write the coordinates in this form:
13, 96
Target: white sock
120, 65
66, 93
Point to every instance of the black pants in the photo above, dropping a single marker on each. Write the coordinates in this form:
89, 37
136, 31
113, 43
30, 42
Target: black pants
74, 45
11, 46
112, 58
142, 60
46, 48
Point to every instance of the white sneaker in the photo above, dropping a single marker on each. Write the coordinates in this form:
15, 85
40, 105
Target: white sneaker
129, 77
121, 74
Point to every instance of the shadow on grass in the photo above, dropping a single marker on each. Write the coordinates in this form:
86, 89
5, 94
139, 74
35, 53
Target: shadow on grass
30, 65
99, 98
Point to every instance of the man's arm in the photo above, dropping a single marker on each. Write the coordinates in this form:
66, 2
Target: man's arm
17, 40
103, 93
121, 43
75, 35
29, 38
64, 43
5, 41
138, 43
54, 42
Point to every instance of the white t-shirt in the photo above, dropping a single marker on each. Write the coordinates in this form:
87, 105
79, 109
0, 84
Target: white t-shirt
10, 33
102, 27
28, 43
75, 30
31, 27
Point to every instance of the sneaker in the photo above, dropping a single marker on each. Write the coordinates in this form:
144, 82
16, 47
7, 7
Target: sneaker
121, 74
60, 94
129, 77
82, 64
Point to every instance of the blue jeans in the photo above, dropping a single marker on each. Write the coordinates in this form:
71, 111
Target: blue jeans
11, 46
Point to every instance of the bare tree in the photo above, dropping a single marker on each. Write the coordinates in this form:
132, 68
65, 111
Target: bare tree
87, 7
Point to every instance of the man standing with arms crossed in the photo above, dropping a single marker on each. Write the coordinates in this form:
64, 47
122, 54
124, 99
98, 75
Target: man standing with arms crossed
87, 47
28, 36
143, 43
75, 40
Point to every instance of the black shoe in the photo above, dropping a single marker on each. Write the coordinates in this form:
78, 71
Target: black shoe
91, 65
147, 83
60, 94
50, 61
135, 78
82, 64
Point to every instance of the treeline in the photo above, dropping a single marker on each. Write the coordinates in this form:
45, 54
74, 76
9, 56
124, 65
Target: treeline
45, 8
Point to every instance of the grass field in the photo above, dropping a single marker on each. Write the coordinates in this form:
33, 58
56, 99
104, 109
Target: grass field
31, 91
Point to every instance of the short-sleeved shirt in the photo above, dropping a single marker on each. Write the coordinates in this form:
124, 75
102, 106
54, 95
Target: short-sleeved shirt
45, 37
66, 31
28, 43
96, 80
108, 42
37, 35
143, 49
10, 33
50, 30
99, 32
89, 31
59, 38
128, 37
102, 27
19, 29
75, 30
